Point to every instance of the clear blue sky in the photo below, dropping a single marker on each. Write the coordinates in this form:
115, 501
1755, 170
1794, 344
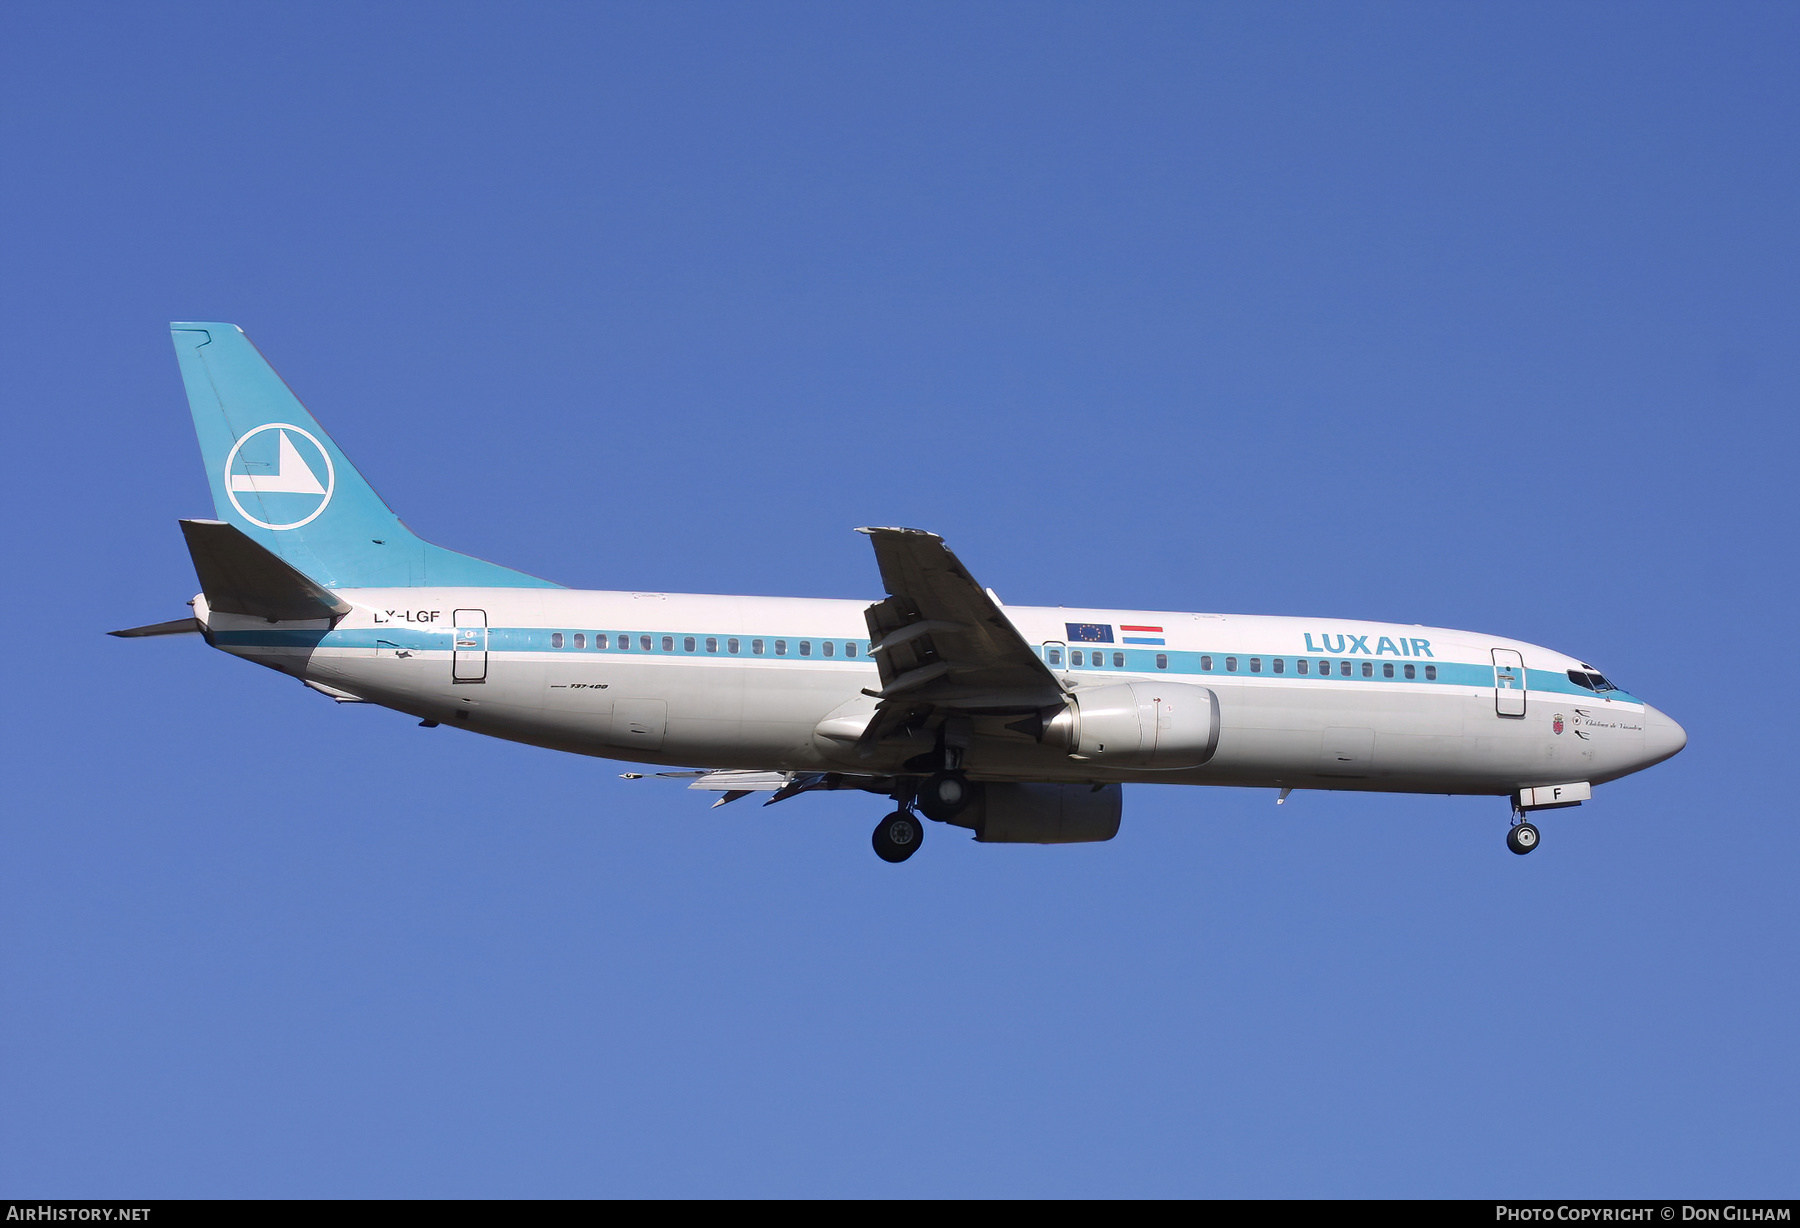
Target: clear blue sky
1471, 315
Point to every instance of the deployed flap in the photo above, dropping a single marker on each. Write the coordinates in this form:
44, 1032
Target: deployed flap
240, 577
737, 781
177, 626
941, 639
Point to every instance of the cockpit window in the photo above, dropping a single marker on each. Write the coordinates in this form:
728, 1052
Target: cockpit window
1580, 679
1593, 682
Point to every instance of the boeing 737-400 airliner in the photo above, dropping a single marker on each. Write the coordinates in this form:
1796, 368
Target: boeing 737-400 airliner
1019, 723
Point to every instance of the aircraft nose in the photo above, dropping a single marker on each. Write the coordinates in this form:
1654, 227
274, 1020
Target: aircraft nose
1663, 738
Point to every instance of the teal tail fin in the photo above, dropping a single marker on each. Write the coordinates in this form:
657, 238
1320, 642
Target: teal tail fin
281, 480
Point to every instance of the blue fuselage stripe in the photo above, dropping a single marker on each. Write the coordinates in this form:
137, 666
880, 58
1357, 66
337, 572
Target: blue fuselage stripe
1136, 660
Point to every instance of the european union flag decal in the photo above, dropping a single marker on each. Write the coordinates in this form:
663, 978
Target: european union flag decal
1089, 633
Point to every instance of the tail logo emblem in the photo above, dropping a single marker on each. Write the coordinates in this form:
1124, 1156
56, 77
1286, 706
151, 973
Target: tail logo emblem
280, 468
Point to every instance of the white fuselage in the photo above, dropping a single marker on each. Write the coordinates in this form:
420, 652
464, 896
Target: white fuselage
779, 684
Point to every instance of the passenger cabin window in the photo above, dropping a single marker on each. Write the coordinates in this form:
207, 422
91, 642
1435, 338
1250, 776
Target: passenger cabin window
1279, 665
826, 648
1412, 671
850, 650
1324, 669
1300, 667
1431, 673
756, 647
1344, 668
601, 641
556, 639
712, 645
1053, 655
781, 648
1387, 669
806, 648
1074, 656
1205, 662
580, 640
668, 643
1256, 665
1231, 665
1162, 660
1368, 669
1118, 660
731, 645
687, 643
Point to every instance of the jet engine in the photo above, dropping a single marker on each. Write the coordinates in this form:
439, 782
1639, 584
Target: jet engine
1042, 813
1138, 724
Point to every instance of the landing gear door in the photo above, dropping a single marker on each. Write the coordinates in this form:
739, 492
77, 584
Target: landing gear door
469, 649
1509, 682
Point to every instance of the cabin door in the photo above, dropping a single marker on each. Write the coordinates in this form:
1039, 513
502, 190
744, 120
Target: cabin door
1509, 682
469, 648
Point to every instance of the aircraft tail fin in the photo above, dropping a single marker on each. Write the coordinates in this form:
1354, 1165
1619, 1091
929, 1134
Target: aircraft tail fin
281, 482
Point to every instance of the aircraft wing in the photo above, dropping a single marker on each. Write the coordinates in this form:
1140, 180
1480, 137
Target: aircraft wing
940, 641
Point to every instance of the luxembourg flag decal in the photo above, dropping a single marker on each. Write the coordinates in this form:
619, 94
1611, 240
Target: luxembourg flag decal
1140, 637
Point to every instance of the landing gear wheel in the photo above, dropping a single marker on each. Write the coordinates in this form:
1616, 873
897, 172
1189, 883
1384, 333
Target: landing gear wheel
898, 836
1522, 838
943, 796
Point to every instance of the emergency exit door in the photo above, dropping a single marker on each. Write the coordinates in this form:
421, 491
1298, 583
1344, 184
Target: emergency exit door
469, 648
1509, 682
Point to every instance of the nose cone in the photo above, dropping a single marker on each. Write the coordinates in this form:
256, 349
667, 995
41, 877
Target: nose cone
1663, 738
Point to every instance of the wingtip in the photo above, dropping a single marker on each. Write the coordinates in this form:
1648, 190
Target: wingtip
872, 530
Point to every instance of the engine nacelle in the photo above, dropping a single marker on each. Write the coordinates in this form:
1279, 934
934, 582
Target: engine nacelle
1042, 813
1139, 724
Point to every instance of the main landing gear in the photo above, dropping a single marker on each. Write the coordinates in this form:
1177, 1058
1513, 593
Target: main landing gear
898, 836
1523, 837
940, 797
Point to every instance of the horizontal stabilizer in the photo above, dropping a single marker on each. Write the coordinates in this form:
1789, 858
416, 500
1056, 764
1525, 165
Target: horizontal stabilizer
178, 626
240, 577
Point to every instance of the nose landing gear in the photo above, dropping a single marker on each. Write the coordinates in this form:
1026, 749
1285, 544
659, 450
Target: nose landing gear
898, 836
1522, 838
